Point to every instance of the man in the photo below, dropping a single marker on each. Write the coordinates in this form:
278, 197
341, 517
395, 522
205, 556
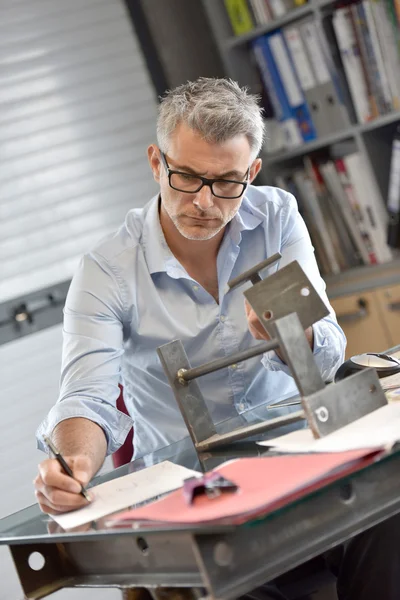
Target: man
163, 276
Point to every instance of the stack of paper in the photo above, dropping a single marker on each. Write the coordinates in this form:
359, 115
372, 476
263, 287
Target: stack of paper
264, 485
379, 429
126, 491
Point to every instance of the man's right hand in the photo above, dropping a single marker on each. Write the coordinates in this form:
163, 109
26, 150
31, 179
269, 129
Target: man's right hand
55, 491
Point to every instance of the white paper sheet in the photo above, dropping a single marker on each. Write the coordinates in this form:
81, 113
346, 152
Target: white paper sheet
379, 429
125, 491
391, 382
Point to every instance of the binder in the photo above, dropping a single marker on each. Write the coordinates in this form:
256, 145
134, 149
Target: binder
326, 98
239, 16
390, 54
260, 11
277, 7
333, 54
393, 204
310, 201
368, 58
274, 88
381, 74
290, 85
350, 53
370, 203
334, 185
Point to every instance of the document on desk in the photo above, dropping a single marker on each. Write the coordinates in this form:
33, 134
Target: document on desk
391, 385
129, 490
379, 429
263, 484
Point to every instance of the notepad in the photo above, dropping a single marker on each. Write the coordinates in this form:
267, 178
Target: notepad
126, 491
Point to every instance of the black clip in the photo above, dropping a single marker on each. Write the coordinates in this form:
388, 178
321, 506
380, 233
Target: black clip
211, 484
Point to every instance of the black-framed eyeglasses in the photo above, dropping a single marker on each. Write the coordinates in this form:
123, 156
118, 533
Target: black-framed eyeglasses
191, 184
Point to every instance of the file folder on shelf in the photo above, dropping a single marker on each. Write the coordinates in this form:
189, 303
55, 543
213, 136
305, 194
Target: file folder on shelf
290, 85
330, 112
275, 91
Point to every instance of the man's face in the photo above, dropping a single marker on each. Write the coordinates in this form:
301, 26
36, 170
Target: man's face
201, 215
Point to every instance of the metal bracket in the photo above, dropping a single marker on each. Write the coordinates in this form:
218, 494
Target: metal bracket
287, 291
342, 403
286, 303
188, 395
297, 354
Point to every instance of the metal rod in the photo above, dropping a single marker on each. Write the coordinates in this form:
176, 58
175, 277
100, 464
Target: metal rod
222, 363
245, 432
248, 275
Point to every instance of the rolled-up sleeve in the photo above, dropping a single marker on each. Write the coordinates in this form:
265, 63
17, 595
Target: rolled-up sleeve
329, 339
92, 350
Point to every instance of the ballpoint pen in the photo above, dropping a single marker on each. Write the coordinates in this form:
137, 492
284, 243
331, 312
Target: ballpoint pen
58, 456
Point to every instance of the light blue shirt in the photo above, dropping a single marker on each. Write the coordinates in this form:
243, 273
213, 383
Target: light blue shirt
131, 295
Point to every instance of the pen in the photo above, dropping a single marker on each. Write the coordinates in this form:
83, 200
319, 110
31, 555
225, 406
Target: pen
58, 456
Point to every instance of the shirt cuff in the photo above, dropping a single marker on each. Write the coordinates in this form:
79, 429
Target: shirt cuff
326, 351
115, 424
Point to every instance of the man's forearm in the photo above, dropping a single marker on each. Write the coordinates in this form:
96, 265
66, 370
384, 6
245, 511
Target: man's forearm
81, 437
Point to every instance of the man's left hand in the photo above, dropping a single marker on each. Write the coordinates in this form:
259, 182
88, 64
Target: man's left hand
259, 333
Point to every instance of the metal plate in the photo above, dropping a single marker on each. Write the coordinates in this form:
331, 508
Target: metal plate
122, 561
298, 356
287, 291
342, 403
188, 396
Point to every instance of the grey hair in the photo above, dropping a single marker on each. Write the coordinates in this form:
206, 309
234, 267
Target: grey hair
218, 109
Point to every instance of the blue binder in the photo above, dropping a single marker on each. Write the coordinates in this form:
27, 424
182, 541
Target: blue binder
275, 91
288, 84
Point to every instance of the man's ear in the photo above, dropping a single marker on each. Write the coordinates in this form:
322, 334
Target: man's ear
154, 161
255, 169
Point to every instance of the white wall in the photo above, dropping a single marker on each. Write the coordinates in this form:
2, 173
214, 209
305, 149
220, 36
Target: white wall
77, 111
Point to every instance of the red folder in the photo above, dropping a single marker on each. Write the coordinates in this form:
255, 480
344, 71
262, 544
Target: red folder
264, 485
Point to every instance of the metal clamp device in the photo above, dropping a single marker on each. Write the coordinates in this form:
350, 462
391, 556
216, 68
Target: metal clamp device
286, 304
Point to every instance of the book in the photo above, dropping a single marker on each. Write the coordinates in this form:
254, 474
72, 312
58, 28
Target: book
290, 85
239, 15
274, 88
353, 67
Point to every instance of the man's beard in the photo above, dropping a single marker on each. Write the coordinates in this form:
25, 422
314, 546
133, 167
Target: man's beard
196, 231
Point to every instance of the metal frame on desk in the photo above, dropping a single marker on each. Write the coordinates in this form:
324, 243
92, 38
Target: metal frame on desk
286, 304
226, 561
229, 561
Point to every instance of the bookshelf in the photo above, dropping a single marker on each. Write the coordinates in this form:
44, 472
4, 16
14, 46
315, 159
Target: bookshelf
340, 136
371, 140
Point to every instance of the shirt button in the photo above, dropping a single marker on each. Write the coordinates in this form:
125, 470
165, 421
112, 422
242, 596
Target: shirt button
233, 366
222, 318
241, 406
195, 287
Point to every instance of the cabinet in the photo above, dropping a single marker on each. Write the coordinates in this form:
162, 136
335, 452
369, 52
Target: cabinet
360, 317
389, 306
370, 319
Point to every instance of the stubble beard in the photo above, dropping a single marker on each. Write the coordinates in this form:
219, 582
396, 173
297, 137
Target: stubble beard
198, 231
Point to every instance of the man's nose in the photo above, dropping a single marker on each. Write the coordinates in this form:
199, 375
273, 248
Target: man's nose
204, 198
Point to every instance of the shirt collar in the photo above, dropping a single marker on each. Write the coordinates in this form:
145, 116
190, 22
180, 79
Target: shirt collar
244, 220
159, 257
157, 253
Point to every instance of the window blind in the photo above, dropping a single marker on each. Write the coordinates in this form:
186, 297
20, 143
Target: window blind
77, 111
